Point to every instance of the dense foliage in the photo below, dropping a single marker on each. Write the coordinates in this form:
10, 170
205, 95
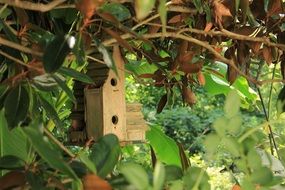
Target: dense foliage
186, 48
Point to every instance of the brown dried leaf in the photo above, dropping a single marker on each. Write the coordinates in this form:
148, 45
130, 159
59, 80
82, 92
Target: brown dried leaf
12, 179
257, 9
266, 53
161, 104
231, 74
175, 19
190, 67
177, 2
255, 47
22, 16
146, 75
208, 26
188, 96
236, 187
245, 30
220, 10
120, 40
274, 7
186, 57
159, 78
93, 182
201, 78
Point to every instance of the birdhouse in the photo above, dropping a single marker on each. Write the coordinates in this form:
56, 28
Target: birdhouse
101, 108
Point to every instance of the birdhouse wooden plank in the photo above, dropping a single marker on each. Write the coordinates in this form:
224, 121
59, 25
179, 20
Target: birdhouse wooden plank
101, 108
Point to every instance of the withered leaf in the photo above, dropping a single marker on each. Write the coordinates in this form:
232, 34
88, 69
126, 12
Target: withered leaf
208, 26
282, 66
255, 47
161, 104
93, 182
146, 75
231, 72
191, 67
12, 179
220, 10
201, 78
244, 5
175, 19
186, 57
274, 7
266, 53
188, 95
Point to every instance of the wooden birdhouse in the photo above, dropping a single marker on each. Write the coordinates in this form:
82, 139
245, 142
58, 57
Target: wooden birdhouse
101, 108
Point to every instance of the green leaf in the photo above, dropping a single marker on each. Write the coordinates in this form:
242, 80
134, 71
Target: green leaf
87, 161
262, 176
163, 146
143, 8
55, 54
232, 104
76, 75
51, 112
176, 185
136, 175
105, 154
79, 50
11, 162
46, 151
45, 82
9, 33
79, 168
211, 143
12, 142
231, 145
234, 125
281, 101
220, 126
253, 159
16, 106
173, 173
163, 14
119, 11
158, 176
68, 15
60, 81
196, 178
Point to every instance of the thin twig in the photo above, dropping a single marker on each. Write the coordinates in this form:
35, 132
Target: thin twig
94, 59
48, 133
19, 47
14, 59
33, 6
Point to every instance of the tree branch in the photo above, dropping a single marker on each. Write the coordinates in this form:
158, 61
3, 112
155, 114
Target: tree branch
33, 6
19, 47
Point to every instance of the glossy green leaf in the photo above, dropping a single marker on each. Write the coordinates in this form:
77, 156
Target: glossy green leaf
262, 176
51, 112
55, 54
47, 152
68, 15
12, 142
173, 173
79, 168
234, 126
135, 174
87, 161
16, 106
35, 181
253, 159
6, 28
158, 176
143, 8
163, 146
220, 126
196, 178
232, 104
118, 10
11, 162
61, 82
105, 154
45, 82
76, 75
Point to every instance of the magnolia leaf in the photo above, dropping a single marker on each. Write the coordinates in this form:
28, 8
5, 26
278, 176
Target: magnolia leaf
55, 54
136, 175
161, 104
16, 106
61, 82
76, 75
158, 176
